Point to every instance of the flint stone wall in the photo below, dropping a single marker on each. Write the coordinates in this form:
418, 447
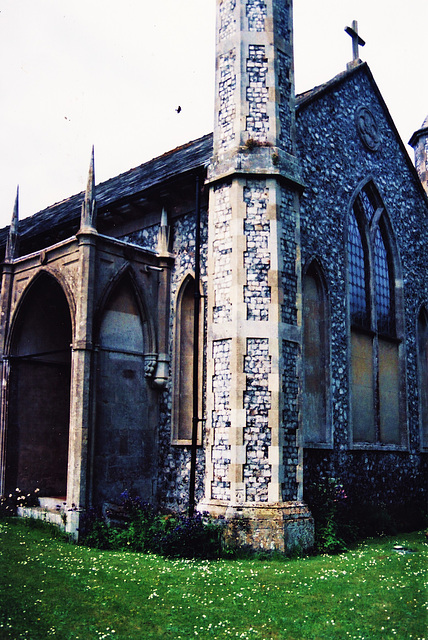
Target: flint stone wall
335, 161
172, 482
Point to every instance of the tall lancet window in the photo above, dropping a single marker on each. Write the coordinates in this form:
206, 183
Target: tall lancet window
423, 375
375, 379
315, 359
182, 401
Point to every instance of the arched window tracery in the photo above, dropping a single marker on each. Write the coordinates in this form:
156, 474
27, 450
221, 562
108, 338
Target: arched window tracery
375, 348
182, 409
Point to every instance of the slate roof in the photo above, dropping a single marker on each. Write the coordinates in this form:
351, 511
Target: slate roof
183, 159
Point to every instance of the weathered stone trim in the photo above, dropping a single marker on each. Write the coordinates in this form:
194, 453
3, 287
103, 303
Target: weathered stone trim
284, 527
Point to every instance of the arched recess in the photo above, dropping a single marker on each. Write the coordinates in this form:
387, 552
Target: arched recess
39, 390
124, 448
182, 383
316, 371
374, 302
423, 374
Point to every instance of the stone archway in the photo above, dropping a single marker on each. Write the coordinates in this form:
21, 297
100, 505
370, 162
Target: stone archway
124, 443
39, 391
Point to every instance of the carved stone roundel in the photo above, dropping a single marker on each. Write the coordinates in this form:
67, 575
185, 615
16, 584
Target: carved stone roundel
367, 128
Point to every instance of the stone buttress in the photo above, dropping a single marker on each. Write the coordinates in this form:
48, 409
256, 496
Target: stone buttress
254, 455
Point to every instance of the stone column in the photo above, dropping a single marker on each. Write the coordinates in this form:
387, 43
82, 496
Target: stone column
81, 382
81, 407
5, 299
254, 458
161, 374
5, 306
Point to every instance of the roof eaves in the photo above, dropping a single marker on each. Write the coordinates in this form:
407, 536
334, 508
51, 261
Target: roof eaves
181, 160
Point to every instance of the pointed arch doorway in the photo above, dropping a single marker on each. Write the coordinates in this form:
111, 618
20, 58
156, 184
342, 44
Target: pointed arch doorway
39, 391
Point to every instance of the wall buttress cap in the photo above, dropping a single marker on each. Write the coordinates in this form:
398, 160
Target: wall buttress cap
89, 205
13, 237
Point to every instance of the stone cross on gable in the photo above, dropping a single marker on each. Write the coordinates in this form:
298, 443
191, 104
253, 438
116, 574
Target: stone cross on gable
357, 42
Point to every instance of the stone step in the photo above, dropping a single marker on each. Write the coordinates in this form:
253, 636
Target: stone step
41, 513
52, 504
51, 509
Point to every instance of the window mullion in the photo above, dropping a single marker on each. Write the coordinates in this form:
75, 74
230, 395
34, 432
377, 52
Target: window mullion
376, 385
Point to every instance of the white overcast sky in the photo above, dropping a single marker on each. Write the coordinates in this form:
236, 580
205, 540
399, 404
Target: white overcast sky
112, 72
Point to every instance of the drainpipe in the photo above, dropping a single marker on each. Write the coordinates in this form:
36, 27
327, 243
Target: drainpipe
197, 304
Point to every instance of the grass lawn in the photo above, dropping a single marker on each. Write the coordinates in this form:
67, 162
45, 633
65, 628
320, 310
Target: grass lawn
49, 588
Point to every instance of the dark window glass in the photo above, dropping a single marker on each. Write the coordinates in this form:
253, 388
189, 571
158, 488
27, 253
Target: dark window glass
375, 379
383, 286
367, 205
182, 401
357, 275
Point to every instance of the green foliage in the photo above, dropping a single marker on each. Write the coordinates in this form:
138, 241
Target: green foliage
341, 519
57, 590
252, 143
136, 526
329, 504
44, 527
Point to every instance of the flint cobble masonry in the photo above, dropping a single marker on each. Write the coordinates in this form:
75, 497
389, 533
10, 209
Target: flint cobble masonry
256, 12
335, 145
257, 435
222, 245
257, 256
279, 197
221, 420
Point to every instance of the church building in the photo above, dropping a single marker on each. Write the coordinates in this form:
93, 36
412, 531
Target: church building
235, 321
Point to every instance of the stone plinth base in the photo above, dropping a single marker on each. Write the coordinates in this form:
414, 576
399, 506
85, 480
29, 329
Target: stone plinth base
54, 511
284, 527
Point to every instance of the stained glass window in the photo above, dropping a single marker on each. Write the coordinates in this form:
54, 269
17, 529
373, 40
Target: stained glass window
383, 286
367, 205
375, 369
367, 267
357, 275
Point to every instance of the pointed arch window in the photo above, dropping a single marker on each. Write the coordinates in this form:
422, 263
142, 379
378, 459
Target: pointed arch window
375, 365
182, 408
315, 359
423, 375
